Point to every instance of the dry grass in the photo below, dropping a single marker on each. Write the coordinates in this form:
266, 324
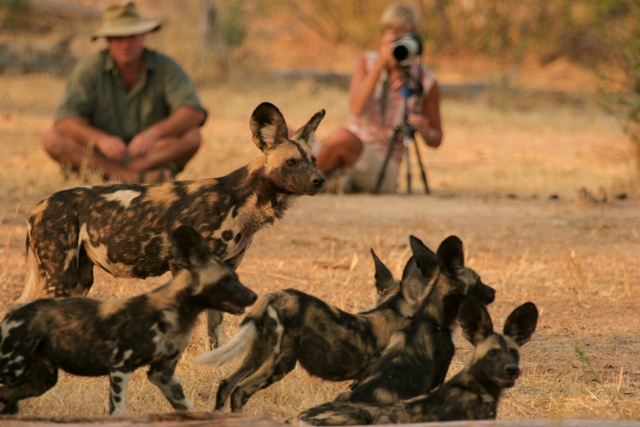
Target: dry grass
489, 153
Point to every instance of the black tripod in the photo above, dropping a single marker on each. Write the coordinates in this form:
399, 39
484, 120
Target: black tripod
408, 137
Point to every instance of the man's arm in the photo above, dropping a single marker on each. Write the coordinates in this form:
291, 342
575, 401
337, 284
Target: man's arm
181, 120
76, 128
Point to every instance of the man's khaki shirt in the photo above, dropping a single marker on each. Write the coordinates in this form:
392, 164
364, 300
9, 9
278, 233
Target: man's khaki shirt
96, 94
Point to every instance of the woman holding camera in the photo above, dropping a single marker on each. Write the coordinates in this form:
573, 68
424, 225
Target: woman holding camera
353, 156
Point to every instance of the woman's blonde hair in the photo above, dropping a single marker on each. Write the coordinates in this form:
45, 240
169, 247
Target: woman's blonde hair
401, 16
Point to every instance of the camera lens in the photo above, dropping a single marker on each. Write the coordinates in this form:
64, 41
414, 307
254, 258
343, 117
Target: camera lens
401, 52
406, 48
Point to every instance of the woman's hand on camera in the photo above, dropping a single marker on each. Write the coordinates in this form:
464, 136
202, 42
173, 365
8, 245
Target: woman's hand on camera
385, 53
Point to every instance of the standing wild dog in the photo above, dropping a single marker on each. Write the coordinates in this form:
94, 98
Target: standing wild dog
472, 394
88, 337
125, 228
417, 358
288, 326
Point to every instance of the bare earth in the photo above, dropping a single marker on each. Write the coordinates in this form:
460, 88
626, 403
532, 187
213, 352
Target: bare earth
519, 247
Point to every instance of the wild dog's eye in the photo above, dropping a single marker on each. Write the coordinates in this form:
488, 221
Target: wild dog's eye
492, 352
313, 159
514, 352
291, 162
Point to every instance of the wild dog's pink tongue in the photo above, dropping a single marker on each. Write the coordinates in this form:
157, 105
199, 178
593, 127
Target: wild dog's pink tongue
506, 381
233, 308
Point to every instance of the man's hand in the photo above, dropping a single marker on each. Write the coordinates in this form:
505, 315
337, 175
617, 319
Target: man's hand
112, 147
141, 143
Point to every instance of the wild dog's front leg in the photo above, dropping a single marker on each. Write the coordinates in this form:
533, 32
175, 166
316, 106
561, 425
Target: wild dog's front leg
215, 327
118, 393
162, 375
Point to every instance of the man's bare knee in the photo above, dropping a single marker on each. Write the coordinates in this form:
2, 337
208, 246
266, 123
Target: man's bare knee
190, 144
55, 143
192, 138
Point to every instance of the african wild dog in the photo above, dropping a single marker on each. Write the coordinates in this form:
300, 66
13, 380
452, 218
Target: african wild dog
125, 228
417, 358
88, 337
288, 326
472, 394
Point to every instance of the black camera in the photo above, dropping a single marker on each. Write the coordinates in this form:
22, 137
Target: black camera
406, 48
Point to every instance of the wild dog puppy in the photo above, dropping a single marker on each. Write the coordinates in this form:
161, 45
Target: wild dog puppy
290, 326
472, 394
418, 356
125, 228
88, 337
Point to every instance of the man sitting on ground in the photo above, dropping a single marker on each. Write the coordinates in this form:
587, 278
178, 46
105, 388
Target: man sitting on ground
128, 113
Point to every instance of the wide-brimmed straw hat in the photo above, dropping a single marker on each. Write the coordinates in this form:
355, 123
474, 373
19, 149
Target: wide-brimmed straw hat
124, 20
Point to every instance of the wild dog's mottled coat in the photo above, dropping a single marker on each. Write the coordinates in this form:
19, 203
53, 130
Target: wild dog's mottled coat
417, 358
89, 337
289, 326
472, 394
125, 228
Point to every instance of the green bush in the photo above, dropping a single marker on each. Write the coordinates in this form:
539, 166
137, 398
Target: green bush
13, 13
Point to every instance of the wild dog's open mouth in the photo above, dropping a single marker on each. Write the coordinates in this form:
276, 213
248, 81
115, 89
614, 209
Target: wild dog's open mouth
232, 308
506, 382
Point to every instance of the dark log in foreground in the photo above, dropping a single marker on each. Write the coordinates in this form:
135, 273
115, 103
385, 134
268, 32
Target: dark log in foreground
224, 419
178, 419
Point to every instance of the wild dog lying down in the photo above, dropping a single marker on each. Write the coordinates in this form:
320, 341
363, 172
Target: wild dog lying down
88, 337
472, 394
125, 228
417, 358
288, 326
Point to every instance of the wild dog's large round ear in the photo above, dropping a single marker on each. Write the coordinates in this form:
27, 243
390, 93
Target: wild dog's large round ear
426, 260
305, 132
268, 127
451, 255
188, 248
384, 278
474, 320
521, 323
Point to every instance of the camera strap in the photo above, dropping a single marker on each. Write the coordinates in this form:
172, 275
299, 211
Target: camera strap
417, 108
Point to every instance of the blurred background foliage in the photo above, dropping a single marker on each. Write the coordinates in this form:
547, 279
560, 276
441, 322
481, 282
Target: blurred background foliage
213, 37
589, 32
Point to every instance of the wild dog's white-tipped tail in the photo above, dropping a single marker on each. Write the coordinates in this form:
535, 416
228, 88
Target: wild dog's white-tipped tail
238, 345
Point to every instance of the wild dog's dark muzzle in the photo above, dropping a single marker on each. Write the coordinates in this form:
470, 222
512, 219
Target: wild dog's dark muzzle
512, 371
509, 376
318, 181
486, 294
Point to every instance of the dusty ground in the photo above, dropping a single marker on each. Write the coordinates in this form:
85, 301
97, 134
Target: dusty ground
573, 261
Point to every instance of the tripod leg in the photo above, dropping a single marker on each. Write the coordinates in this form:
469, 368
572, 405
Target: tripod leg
383, 171
422, 169
406, 142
